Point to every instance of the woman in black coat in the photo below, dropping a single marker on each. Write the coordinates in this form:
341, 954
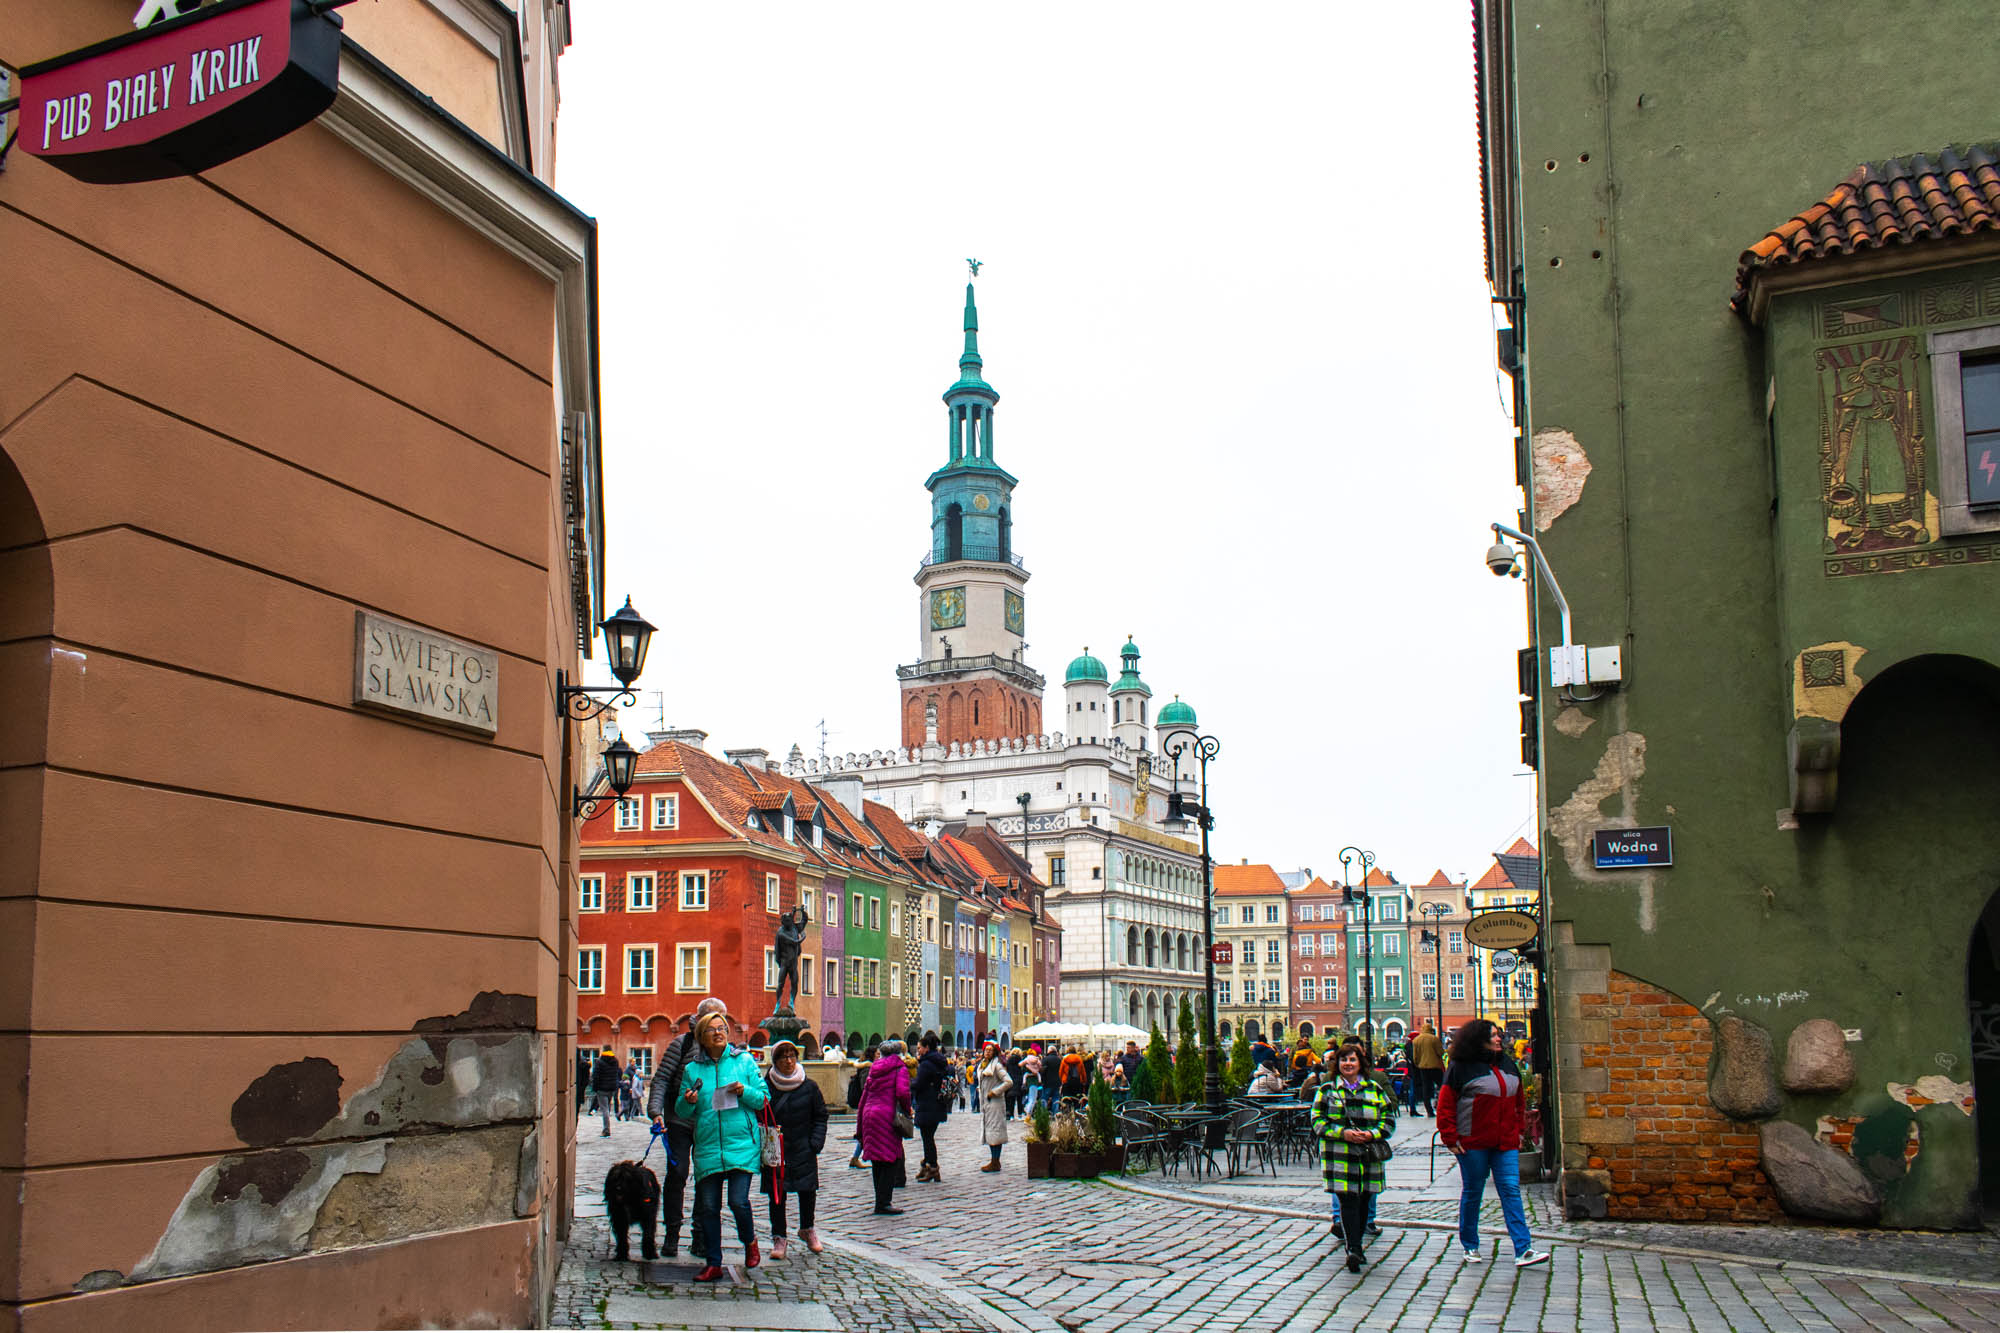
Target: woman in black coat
932, 1090
799, 1110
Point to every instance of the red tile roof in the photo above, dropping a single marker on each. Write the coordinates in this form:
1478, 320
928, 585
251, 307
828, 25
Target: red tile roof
1316, 885
1881, 204
1495, 878
1236, 880
1439, 880
1521, 847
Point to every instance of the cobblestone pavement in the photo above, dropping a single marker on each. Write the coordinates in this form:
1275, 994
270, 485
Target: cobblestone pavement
983, 1251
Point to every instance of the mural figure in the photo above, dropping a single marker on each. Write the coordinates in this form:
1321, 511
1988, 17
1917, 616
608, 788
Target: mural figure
1872, 458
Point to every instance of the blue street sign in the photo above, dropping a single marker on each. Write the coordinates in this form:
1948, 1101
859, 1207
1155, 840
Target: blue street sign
1618, 848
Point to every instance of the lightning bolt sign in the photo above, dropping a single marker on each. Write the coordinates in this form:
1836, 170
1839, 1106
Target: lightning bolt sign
1987, 464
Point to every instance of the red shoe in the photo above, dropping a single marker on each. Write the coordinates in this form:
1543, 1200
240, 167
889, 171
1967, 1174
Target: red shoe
750, 1256
711, 1274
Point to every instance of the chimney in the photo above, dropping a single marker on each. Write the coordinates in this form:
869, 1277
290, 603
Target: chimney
1245, 861
975, 819
843, 787
758, 759
693, 737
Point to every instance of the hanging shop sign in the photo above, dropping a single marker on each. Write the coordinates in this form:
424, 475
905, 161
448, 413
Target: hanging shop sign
1222, 953
184, 95
1504, 928
1617, 848
1504, 962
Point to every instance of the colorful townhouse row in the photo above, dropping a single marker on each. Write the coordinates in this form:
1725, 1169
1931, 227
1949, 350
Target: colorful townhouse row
1305, 960
685, 879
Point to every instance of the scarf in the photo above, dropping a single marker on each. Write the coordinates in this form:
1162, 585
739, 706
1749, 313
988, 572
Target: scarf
783, 1084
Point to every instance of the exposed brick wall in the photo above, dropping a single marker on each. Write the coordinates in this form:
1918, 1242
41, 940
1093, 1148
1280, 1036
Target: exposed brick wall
1647, 1144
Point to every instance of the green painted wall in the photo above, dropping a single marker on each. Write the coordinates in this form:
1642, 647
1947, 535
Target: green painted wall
1657, 142
868, 940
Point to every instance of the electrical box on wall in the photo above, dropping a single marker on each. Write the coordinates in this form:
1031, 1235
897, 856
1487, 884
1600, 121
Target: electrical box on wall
1573, 664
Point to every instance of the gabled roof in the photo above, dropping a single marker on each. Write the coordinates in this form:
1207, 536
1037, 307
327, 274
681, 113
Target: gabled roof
1316, 885
1236, 880
1882, 204
1440, 880
1522, 865
1494, 878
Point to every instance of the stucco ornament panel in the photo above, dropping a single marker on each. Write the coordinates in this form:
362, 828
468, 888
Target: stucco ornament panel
1825, 679
258, 1206
1560, 467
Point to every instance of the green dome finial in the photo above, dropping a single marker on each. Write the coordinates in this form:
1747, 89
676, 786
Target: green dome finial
1086, 668
1177, 714
1128, 678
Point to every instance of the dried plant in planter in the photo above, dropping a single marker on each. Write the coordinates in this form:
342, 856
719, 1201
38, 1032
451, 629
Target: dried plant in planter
1068, 1133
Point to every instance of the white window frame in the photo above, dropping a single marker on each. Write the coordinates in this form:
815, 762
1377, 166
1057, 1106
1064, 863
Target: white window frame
1454, 942
1272, 914
833, 907
590, 893
895, 978
1956, 516
1454, 988
774, 892
895, 917
589, 959
854, 916
652, 966
689, 879
1272, 993
1329, 944
1274, 953
1247, 914
666, 811
1331, 991
930, 987
1392, 946
806, 896
627, 814
1427, 987
642, 1060
833, 978
683, 953
1308, 990
770, 968
651, 881
1392, 985
808, 963
874, 912
1222, 992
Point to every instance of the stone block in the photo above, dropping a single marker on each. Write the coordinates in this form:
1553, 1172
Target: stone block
1591, 1031
429, 1182
1813, 1180
1594, 1079
1742, 1086
1583, 980
1607, 1129
1586, 957
1569, 1055
1817, 1059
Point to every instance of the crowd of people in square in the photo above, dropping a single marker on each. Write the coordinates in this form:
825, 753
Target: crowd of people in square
728, 1118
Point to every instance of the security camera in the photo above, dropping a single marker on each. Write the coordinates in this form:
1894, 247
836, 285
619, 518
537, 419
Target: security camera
1500, 558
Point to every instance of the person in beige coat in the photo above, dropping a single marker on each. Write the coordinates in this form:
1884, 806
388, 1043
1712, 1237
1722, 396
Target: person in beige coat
994, 1082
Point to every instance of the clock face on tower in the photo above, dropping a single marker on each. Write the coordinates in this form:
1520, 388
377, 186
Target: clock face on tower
1015, 618
947, 608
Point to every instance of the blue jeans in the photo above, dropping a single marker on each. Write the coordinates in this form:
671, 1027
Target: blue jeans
708, 1213
1504, 1165
1034, 1095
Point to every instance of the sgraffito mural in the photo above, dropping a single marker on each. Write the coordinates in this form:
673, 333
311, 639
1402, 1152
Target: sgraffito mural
1873, 477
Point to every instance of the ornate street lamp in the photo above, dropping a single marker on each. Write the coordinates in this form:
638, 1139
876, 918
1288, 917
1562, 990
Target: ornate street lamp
1348, 895
627, 636
620, 763
1204, 748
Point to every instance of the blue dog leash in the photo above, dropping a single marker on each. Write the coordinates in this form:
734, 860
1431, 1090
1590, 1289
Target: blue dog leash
666, 1152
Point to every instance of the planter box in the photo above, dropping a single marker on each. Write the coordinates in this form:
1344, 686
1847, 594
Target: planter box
1075, 1165
1114, 1158
1038, 1159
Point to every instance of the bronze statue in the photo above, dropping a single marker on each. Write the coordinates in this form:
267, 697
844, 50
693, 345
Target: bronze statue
791, 939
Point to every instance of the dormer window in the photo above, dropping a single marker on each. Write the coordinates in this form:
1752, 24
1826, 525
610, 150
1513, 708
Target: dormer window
788, 826
819, 836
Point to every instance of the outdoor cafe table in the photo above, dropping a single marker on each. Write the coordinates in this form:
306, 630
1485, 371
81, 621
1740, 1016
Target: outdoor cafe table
1186, 1121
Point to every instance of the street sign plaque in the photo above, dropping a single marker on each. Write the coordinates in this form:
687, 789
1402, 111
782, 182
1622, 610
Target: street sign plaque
1622, 848
1222, 953
1505, 928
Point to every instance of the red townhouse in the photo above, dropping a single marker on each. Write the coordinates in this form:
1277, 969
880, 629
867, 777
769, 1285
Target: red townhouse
1318, 966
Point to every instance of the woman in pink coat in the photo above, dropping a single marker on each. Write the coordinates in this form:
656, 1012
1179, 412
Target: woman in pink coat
885, 1092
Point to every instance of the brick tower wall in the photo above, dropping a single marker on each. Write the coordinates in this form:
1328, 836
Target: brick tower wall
1006, 712
1640, 1138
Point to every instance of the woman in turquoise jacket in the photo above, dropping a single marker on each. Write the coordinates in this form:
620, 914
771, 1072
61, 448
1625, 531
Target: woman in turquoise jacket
728, 1141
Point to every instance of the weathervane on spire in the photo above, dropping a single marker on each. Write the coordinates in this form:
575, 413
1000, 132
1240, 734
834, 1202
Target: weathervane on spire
974, 265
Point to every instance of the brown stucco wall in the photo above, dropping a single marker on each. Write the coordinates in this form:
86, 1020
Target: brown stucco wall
238, 408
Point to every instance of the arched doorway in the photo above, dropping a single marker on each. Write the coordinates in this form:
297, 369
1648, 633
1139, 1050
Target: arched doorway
1222, 1032
1982, 987
1305, 1029
1393, 1029
1252, 1029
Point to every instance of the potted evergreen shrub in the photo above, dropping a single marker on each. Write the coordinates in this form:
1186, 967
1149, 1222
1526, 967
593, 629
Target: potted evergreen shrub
1104, 1128
1040, 1144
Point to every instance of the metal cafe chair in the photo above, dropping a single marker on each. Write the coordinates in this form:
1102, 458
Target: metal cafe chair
1144, 1135
1249, 1138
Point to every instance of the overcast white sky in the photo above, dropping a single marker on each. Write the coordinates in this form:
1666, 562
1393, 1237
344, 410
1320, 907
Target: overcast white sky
1235, 309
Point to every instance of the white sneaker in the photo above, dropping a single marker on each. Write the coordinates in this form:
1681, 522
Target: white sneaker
1531, 1258
1474, 1257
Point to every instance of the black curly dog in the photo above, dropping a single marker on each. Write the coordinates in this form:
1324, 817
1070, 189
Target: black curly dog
632, 1194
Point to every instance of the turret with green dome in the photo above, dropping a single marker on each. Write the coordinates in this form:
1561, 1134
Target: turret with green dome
971, 495
1177, 714
1128, 677
1084, 668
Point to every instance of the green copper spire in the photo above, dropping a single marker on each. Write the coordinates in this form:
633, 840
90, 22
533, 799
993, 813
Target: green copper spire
969, 364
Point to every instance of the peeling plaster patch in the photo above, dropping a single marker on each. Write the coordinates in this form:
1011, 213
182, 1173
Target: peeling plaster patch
273, 1174
456, 1082
1825, 680
287, 1102
1622, 764
1573, 722
100, 1279
1933, 1090
430, 1182
205, 1235
1560, 470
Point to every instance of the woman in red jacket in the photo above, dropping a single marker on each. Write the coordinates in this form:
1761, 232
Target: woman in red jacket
1481, 1111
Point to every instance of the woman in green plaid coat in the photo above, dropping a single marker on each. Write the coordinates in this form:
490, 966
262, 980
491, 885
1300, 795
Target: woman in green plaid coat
1351, 1109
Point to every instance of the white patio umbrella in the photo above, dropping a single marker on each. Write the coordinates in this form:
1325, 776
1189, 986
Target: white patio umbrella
1116, 1033
1053, 1031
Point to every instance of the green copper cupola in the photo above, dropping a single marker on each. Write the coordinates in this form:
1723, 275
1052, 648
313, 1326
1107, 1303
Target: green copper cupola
971, 495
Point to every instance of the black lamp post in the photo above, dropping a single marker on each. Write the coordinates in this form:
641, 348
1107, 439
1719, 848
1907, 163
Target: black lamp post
1204, 749
627, 636
1437, 911
620, 761
1348, 894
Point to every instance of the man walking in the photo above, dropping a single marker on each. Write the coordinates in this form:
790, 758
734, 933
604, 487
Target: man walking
605, 1080
1427, 1067
665, 1092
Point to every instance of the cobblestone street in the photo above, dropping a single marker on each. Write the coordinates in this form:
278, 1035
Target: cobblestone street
984, 1252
